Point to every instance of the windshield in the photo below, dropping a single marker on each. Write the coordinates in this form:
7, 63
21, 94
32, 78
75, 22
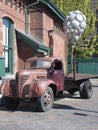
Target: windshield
41, 64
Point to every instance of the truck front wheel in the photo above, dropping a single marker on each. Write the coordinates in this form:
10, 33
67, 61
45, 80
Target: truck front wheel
45, 101
10, 103
86, 90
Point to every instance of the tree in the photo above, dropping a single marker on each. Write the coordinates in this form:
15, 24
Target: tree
87, 44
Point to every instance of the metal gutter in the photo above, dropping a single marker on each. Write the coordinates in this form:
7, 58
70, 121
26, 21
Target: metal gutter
53, 8
30, 5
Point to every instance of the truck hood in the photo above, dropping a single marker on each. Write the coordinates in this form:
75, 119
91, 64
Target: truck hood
37, 74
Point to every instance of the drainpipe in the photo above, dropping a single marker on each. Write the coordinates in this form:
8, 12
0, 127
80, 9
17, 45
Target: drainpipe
26, 20
27, 15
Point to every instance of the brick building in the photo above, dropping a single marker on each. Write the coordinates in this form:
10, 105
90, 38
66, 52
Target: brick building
29, 28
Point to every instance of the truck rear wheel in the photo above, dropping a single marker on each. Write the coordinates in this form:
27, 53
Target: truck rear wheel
86, 90
10, 103
45, 101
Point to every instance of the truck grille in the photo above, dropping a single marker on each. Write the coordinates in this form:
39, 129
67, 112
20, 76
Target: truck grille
23, 79
13, 86
25, 92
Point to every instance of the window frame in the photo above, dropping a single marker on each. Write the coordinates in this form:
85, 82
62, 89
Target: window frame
8, 44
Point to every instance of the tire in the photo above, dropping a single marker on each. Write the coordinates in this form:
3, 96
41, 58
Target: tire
45, 101
86, 90
10, 103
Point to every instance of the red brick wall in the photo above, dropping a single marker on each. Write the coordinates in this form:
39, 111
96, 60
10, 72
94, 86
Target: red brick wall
36, 24
47, 26
18, 17
27, 51
42, 24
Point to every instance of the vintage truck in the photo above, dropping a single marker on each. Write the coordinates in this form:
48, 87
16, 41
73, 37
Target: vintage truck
41, 81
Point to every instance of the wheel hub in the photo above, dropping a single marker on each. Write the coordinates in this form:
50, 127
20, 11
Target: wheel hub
47, 99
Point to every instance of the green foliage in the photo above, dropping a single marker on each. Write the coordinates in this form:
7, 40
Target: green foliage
89, 40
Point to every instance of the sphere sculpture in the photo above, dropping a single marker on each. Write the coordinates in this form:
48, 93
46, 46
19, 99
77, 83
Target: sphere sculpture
74, 25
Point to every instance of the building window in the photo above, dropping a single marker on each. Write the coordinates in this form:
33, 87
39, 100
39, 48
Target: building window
8, 44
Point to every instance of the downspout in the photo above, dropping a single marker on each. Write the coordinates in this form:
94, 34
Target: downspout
27, 15
26, 20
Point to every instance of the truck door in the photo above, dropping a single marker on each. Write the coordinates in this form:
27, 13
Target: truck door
58, 75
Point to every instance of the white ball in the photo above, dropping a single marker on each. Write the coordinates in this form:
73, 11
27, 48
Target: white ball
84, 17
83, 25
76, 31
71, 30
77, 38
72, 16
79, 17
68, 31
66, 18
68, 23
81, 31
75, 24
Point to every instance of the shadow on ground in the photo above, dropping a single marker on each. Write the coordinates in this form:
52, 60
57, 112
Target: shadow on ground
33, 107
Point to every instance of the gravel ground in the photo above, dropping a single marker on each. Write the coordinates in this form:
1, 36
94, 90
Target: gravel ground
68, 113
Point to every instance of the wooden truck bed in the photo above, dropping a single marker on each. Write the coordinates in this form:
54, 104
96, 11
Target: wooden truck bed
78, 76
73, 82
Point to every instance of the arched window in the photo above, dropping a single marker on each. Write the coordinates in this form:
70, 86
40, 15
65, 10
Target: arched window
8, 44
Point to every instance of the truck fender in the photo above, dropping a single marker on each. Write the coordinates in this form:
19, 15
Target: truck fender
42, 85
5, 88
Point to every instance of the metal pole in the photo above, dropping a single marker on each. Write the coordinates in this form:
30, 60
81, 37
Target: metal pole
72, 61
72, 49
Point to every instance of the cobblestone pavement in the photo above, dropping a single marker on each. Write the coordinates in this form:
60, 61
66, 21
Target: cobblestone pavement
68, 113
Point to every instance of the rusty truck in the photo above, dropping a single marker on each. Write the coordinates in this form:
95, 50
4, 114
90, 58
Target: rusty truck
41, 80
